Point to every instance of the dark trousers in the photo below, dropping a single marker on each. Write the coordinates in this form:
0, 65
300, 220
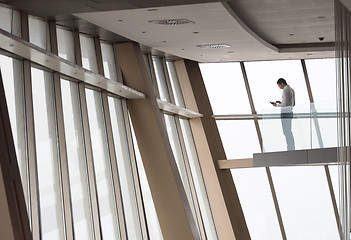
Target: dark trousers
286, 119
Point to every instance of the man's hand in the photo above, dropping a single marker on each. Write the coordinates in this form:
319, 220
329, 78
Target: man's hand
274, 104
279, 102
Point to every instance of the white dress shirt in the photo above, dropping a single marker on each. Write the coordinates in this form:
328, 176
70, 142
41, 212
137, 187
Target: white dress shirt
288, 97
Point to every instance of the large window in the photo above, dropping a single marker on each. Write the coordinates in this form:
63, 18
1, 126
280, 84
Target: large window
39, 32
108, 61
77, 166
65, 43
125, 171
103, 175
50, 194
226, 88
87, 45
12, 77
10, 21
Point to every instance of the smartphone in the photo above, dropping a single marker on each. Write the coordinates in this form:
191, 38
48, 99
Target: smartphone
272, 102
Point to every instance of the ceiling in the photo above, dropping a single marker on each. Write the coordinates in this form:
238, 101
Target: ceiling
251, 29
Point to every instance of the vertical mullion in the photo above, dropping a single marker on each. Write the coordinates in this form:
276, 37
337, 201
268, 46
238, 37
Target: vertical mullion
53, 37
253, 110
268, 171
313, 109
191, 180
114, 167
332, 196
77, 48
135, 173
67, 206
31, 148
90, 164
275, 199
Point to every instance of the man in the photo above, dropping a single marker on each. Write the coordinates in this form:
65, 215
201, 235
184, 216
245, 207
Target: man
287, 103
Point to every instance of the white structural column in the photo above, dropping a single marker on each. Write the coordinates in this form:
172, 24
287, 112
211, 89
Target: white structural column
166, 187
228, 215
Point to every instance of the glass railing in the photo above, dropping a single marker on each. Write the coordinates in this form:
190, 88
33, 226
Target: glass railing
300, 127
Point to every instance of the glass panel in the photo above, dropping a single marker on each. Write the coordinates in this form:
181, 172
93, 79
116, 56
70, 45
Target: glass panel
10, 21
51, 214
65, 44
161, 79
263, 78
177, 92
88, 51
178, 155
108, 61
103, 175
198, 181
322, 76
305, 203
12, 74
225, 88
125, 169
239, 138
77, 166
257, 203
273, 132
39, 32
150, 211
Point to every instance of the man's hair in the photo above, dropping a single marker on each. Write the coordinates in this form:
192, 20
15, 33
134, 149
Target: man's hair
281, 80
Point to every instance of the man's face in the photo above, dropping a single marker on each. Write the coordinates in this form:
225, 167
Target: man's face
281, 85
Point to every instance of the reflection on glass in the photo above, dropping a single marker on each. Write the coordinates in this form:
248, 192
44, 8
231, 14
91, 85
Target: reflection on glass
108, 61
226, 79
178, 155
10, 21
124, 169
50, 199
103, 175
263, 78
161, 79
153, 224
77, 167
177, 92
65, 44
257, 203
38, 32
88, 52
201, 192
305, 203
239, 138
12, 77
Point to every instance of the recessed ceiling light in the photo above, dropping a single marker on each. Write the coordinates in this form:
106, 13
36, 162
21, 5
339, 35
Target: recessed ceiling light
152, 9
164, 41
320, 17
120, 20
214, 45
171, 22
291, 34
231, 52
143, 32
195, 32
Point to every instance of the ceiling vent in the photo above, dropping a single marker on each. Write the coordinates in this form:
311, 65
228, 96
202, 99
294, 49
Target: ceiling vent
171, 22
214, 45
